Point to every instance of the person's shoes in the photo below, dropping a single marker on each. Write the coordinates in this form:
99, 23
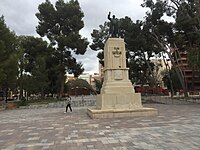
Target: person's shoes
65, 112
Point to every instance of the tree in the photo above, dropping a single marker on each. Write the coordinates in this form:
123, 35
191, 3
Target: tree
166, 35
8, 57
40, 76
172, 80
139, 48
61, 25
34, 56
185, 29
188, 26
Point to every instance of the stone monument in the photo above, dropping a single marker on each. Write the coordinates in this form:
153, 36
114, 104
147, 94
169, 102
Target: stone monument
117, 97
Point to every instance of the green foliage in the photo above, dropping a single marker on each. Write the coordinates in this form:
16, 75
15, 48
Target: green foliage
33, 48
40, 75
172, 80
61, 25
157, 37
98, 84
183, 34
194, 58
188, 27
139, 47
34, 73
8, 57
99, 37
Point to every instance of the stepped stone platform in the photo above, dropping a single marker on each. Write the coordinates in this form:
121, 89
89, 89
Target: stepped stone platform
120, 113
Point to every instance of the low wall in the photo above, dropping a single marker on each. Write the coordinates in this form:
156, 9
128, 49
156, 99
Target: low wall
87, 101
79, 101
168, 100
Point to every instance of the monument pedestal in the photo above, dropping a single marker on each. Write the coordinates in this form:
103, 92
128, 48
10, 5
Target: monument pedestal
117, 98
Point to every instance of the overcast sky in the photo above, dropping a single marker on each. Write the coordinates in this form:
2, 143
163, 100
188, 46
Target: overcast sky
20, 17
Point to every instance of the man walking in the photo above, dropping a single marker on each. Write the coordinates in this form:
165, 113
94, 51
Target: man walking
68, 100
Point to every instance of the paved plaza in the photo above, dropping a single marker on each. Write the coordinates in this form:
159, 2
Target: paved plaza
177, 127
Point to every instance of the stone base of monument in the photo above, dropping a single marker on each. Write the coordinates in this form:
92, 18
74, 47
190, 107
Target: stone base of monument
119, 105
120, 113
117, 98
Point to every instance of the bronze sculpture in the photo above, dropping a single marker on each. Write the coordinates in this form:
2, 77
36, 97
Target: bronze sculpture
114, 26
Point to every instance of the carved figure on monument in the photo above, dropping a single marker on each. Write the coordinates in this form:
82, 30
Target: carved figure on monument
114, 26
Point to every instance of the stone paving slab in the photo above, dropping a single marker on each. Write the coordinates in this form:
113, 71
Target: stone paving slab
177, 127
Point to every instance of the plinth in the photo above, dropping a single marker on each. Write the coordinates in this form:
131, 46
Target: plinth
117, 97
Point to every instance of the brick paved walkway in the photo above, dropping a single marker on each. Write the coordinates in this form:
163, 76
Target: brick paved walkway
177, 127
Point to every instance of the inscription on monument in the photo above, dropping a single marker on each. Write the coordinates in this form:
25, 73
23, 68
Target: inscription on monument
116, 52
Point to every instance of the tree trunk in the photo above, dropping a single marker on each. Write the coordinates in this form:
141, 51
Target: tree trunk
197, 3
62, 84
181, 74
42, 93
150, 69
169, 75
21, 86
182, 81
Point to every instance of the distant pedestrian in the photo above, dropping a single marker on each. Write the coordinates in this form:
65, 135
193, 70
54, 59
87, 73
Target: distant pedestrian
68, 100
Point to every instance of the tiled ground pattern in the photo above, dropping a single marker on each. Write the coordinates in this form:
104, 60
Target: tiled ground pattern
177, 127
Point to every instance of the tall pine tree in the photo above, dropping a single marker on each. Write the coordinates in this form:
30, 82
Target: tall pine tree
8, 57
61, 25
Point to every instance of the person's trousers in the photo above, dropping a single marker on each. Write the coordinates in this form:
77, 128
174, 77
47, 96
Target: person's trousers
68, 105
